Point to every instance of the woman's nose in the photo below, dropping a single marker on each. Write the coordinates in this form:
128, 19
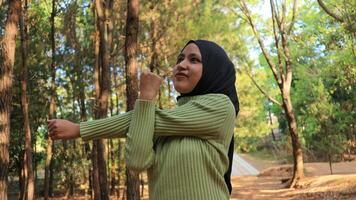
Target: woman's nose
182, 65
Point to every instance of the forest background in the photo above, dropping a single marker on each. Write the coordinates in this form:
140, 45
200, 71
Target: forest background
80, 60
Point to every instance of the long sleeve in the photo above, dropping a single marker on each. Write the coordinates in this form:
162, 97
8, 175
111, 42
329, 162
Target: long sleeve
139, 142
202, 117
111, 127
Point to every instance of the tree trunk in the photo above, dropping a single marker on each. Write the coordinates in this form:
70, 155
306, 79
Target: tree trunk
7, 59
120, 168
102, 85
28, 172
95, 173
86, 146
271, 122
48, 182
330, 164
132, 178
22, 179
298, 163
113, 168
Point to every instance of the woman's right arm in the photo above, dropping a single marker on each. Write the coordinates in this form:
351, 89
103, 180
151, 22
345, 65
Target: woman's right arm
111, 127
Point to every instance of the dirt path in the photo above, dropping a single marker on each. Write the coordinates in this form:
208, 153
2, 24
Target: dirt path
320, 187
310, 169
318, 184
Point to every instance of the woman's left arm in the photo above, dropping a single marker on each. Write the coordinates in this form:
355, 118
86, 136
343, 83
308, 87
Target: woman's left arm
139, 152
139, 143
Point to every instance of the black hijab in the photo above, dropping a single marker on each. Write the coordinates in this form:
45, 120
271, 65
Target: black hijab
218, 77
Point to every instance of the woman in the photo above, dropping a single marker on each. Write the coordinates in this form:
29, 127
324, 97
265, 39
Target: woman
185, 150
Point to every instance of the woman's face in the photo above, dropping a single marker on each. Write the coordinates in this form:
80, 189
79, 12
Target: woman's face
188, 70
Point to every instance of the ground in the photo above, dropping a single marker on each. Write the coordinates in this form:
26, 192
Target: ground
319, 187
318, 183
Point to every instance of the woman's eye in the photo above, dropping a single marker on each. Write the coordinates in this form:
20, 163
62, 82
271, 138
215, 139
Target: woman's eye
194, 60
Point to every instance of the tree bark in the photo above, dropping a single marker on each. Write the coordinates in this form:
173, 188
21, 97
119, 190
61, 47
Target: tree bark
330, 164
102, 83
298, 164
132, 20
95, 172
22, 179
48, 182
112, 168
119, 168
271, 122
28, 170
7, 59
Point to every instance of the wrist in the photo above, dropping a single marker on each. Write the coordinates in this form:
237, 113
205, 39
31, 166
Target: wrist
147, 97
77, 130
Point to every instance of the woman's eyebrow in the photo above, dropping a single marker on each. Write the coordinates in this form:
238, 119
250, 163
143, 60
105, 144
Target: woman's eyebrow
180, 55
194, 55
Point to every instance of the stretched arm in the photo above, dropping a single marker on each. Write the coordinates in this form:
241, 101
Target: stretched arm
201, 118
111, 127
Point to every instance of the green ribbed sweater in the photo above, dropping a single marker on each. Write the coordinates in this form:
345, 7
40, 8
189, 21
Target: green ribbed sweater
183, 149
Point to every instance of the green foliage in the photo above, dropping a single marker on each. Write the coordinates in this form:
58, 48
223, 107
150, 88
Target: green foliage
252, 123
324, 93
323, 88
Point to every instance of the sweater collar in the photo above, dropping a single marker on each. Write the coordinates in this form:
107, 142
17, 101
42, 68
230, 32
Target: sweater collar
185, 99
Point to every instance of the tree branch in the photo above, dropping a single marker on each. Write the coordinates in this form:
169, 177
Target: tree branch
246, 12
329, 12
276, 40
294, 13
284, 10
278, 18
261, 90
288, 79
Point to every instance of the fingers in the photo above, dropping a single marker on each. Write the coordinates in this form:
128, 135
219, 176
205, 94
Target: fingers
52, 129
55, 137
150, 74
51, 125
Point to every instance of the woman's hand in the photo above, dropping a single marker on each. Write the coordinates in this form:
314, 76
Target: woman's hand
63, 129
149, 85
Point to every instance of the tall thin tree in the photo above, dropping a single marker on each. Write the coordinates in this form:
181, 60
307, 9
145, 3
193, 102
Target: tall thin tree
102, 89
28, 170
48, 182
132, 20
7, 60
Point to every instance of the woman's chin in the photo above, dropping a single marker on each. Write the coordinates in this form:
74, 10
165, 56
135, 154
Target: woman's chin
183, 91
182, 88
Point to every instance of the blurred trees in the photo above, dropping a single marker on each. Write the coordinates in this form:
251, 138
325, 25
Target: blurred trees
90, 50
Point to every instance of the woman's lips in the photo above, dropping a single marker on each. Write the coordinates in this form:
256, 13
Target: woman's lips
181, 75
